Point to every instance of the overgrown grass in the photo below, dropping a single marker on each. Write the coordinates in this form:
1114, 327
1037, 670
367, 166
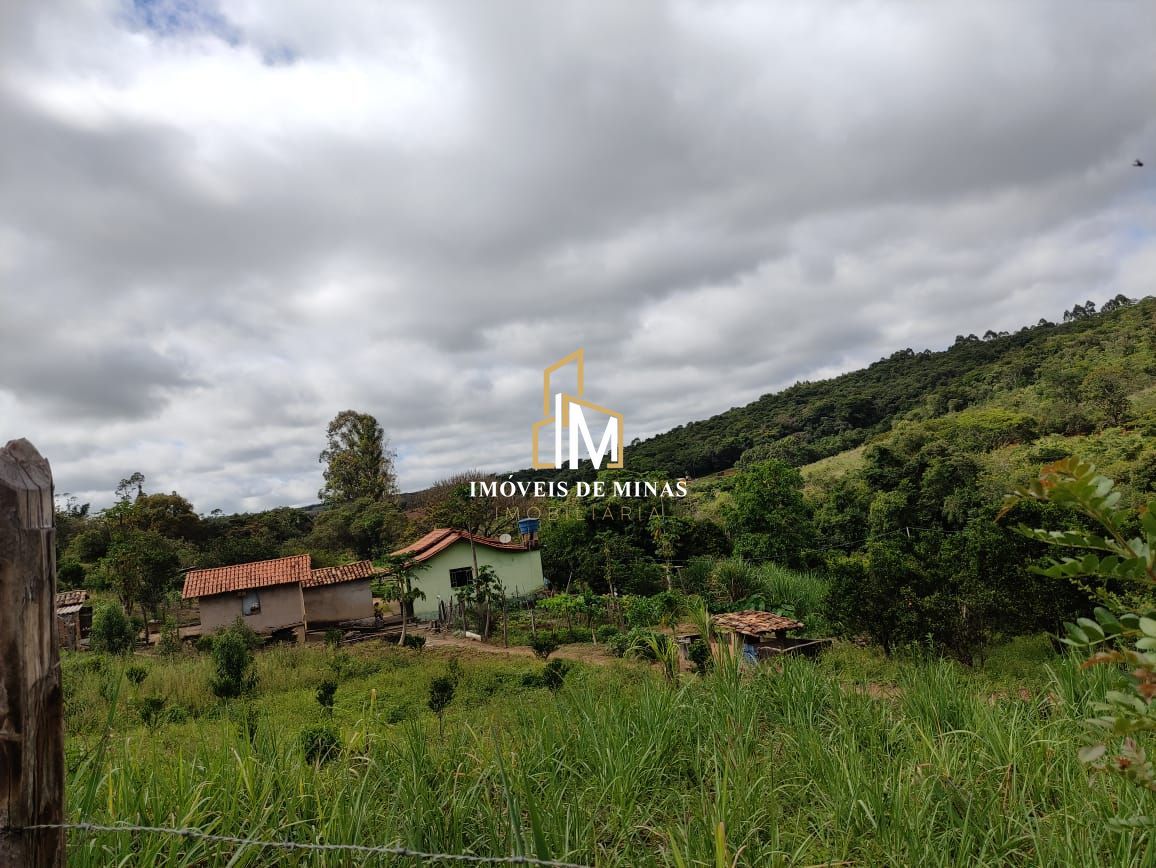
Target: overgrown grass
854, 759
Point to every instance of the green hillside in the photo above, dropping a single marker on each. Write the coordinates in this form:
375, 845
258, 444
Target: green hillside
1042, 371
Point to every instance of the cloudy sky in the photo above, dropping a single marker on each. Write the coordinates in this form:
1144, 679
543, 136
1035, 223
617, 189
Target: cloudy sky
222, 223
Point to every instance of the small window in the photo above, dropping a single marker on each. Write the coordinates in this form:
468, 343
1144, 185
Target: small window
251, 604
460, 578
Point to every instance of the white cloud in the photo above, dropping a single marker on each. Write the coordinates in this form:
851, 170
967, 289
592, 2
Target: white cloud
222, 224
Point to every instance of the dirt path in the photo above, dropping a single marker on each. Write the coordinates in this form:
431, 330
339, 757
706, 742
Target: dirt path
580, 652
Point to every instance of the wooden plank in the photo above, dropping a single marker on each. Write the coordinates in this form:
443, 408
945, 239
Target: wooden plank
31, 713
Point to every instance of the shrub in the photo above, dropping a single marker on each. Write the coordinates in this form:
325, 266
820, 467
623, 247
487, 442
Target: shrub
618, 644
319, 744
414, 642
333, 639
325, 694
607, 633
441, 694
204, 644
544, 645
151, 711
136, 674
640, 611
699, 654
169, 643
233, 659
554, 674
112, 630
637, 644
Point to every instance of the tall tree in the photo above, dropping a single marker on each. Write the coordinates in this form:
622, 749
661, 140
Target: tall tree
767, 518
141, 566
358, 461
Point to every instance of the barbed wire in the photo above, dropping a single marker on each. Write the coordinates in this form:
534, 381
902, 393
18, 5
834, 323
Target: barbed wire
366, 849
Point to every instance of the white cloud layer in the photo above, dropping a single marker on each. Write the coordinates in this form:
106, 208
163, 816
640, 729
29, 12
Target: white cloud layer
222, 224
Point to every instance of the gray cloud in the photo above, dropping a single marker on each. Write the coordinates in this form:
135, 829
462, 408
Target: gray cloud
220, 224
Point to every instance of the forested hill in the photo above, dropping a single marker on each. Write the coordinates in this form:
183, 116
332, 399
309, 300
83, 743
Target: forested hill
809, 421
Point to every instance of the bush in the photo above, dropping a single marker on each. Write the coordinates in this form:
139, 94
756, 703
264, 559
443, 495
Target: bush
640, 611
554, 674
151, 711
233, 659
204, 644
319, 744
638, 643
607, 633
169, 643
618, 644
112, 631
699, 654
441, 694
543, 645
414, 642
325, 694
136, 674
333, 638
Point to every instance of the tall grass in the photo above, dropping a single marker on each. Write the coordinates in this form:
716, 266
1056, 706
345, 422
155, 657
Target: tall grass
799, 763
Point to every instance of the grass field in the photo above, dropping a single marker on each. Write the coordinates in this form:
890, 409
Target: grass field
854, 759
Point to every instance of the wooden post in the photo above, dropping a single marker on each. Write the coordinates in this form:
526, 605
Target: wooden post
31, 721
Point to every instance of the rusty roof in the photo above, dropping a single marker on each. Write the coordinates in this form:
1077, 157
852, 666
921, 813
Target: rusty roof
244, 577
754, 623
344, 573
442, 538
71, 598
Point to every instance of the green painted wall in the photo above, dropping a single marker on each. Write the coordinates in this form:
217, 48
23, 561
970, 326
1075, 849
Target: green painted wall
519, 571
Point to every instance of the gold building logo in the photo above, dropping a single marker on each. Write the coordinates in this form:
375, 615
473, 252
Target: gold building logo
567, 414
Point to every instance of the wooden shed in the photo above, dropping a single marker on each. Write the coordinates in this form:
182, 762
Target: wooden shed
756, 634
73, 618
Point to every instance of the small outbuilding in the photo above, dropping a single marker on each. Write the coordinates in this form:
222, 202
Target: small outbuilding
756, 634
73, 618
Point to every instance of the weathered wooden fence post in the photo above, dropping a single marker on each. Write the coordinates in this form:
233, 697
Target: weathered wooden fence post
31, 723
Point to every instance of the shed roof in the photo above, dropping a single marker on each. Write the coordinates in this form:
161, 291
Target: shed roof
442, 538
244, 577
71, 598
344, 573
754, 623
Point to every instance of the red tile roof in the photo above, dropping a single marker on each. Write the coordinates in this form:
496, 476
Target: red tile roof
243, 577
343, 573
71, 598
754, 623
443, 537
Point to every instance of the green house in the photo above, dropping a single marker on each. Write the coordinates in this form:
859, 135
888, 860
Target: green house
445, 553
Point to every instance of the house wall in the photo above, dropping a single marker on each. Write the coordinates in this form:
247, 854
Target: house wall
519, 572
280, 607
328, 605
